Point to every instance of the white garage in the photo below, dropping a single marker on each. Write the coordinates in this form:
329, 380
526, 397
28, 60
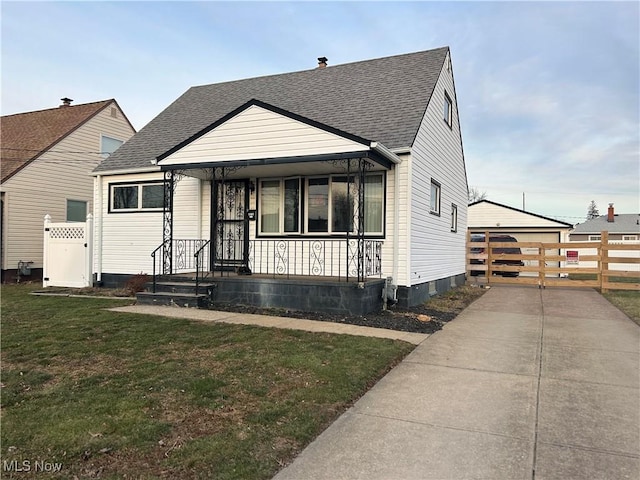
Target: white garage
524, 226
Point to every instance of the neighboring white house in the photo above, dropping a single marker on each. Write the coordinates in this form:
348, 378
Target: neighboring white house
47, 159
347, 172
524, 226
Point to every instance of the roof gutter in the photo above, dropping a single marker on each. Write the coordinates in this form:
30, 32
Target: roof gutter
386, 153
124, 171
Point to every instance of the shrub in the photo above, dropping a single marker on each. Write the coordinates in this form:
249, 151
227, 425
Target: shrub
137, 283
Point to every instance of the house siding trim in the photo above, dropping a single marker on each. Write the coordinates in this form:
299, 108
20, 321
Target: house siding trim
370, 154
272, 108
437, 253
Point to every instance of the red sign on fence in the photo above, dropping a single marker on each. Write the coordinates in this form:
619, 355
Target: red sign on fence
572, 257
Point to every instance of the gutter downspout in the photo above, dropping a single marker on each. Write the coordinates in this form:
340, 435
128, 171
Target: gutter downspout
98, 227
396, 224
396, 160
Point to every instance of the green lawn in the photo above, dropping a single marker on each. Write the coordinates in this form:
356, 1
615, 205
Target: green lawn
115, 395
626, 300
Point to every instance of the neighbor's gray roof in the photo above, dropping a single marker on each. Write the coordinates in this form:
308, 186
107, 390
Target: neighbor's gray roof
380, 100
623, 223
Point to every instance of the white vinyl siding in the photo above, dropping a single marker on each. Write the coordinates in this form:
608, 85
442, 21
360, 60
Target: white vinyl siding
403, 170
260, 133
129, 238
43, 186
435, 251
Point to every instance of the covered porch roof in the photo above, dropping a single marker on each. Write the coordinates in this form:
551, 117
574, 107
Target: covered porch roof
259, 140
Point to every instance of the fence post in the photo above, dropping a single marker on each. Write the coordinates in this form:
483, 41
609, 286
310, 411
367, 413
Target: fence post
542, 264
489, 250
45, 250
604, 260
88, 252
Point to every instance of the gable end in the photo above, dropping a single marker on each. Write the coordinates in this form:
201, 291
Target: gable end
272, 108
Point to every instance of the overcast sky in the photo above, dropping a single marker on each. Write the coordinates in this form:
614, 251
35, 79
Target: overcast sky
548, 92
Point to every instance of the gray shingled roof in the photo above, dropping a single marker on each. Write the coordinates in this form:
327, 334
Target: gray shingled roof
380, 100
623, 223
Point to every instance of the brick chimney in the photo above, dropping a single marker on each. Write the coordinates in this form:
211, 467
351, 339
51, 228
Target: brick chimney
610, 213
66, 101
322, 62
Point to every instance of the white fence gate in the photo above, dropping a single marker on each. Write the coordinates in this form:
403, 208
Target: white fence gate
67, 256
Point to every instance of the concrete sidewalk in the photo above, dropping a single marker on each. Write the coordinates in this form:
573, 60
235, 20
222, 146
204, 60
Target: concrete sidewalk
524, 384
272, 321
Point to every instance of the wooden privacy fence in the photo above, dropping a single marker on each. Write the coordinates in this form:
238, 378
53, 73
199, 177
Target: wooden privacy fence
601, 264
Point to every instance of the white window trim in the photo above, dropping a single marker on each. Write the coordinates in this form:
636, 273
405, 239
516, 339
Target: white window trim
139, 208
329, 231
281, 203
595, 238
447, 113
303, 221
454, 218
438, 209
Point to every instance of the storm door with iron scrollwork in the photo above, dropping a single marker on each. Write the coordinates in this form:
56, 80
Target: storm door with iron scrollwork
230, 225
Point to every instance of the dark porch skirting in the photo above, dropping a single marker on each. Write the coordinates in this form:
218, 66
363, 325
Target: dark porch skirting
300, 294
306, 294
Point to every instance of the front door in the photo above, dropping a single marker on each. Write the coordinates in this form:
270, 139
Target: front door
230, 226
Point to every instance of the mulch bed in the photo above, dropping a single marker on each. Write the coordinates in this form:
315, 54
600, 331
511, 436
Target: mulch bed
420, 319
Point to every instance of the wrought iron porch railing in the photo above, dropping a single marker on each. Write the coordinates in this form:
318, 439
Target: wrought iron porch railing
178, 256
201, 258
341, 258
348, 260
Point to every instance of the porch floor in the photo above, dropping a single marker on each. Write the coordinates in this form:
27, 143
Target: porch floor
209, 276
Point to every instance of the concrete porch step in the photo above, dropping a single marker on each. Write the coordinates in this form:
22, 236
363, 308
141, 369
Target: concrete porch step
180, 287
168, 298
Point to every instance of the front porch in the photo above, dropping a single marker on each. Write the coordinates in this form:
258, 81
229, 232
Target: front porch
328, 275
286, 213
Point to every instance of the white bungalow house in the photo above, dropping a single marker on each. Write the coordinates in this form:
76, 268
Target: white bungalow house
47, 159
314, 190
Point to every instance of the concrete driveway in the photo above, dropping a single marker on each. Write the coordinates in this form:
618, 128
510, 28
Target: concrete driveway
524, 384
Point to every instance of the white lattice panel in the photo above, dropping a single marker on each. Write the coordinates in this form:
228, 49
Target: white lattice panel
67, 232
